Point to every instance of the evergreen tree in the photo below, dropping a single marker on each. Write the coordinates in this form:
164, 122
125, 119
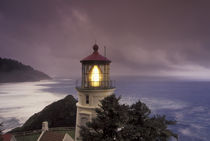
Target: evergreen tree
119, 122
142, 127
111, 116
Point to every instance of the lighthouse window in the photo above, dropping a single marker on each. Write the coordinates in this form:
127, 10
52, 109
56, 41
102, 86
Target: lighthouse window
87, 99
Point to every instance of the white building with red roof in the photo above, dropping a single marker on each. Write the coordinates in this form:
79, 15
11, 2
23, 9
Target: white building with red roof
47, 135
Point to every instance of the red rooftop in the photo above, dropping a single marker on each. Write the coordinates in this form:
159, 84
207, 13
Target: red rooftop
95, 57
8, 137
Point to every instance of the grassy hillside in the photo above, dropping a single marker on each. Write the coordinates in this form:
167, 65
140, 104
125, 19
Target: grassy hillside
14, 71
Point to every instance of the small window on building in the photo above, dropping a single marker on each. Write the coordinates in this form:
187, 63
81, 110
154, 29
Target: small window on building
87, 99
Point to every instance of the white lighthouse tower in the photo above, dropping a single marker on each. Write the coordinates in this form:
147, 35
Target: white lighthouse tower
95, 86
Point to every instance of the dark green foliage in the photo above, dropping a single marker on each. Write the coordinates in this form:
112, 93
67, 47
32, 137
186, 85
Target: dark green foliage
61, 113
14, 71
110, 117
119, 122
143, 127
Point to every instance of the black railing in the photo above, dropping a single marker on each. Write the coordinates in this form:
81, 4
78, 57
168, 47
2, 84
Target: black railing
95, 84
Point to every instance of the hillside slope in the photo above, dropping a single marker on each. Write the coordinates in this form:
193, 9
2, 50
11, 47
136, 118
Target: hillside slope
14, 71
61, 113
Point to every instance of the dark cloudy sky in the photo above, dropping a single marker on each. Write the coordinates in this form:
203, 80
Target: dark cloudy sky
143, 37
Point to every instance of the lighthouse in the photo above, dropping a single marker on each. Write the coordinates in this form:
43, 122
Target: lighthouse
95, 85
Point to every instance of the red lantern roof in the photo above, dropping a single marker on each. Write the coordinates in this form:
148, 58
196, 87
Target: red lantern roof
95, 57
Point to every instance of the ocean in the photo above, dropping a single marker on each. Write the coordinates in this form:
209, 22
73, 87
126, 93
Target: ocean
186, 101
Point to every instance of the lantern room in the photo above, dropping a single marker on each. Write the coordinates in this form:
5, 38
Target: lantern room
95, 71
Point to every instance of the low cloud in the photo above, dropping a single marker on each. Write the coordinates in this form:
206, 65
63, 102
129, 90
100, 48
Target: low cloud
142, 37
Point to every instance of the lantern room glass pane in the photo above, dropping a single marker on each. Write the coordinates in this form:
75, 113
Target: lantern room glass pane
95, 76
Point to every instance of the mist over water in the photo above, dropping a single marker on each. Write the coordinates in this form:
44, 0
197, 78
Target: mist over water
184, 101
18, 101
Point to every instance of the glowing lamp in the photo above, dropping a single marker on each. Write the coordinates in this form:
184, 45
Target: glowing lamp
95, 76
